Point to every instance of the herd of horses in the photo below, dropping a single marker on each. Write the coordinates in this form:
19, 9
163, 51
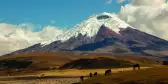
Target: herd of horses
109, 72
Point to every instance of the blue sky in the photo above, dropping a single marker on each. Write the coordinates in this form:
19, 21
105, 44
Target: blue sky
61, 13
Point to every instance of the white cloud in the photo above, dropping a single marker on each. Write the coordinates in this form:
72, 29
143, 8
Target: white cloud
147, 2
108, 1
150, 16
15, 37
53, 21
120, 1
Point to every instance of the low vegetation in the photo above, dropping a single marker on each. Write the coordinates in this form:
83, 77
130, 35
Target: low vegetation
157, 75
34, 63
15, 64
45, 68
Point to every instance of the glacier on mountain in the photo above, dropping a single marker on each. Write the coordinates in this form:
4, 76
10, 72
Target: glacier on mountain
91, 26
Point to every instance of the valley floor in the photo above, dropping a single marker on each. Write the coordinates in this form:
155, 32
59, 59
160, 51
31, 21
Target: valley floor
56, 76
156, 75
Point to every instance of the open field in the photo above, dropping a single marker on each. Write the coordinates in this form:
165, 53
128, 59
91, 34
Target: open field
85, 72
44, 67
157, 75
56, 76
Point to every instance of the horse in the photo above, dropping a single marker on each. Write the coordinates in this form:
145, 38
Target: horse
136, 66
81, 78
108, 72
90, 75
95, 74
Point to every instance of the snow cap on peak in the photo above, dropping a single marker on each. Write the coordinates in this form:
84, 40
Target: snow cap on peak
91, 26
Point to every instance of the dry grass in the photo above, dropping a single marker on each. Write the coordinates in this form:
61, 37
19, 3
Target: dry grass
43, 57
72, 76
157, 75
42, 60
47, 61
56, 76
85, 72
59, 58
70, 73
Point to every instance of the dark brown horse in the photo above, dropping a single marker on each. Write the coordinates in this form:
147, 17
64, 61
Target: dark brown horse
136, 66
165, 62
90, 75
82, 78
95, 74
108, 72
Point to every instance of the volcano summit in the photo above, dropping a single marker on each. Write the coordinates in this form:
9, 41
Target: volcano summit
102, 33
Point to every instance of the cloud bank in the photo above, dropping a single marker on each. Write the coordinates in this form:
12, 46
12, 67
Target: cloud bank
15, 37
150, 16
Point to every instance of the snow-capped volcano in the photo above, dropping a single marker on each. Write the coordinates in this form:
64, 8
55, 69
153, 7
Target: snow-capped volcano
91, 26
101, 33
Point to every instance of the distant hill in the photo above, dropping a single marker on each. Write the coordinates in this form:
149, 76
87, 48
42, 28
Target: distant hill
48, 60
36, 61
97, 63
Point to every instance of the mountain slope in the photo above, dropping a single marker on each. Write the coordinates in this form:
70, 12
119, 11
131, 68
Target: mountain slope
102, 33
91, 26
129, 40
